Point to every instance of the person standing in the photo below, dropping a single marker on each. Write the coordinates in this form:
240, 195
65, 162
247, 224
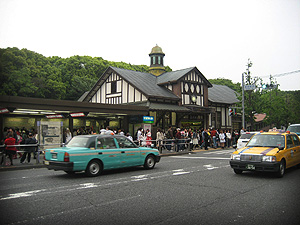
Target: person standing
28, 150
222, 139
68, 135
169, 136
159, 139
148, 138
10, 151
195, 139
213, 134
228, 135
206, 138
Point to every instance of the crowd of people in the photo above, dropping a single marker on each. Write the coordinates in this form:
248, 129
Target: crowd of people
173, 139
13, 137
178, 139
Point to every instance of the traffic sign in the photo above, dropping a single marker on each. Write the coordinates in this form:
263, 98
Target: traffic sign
249, 87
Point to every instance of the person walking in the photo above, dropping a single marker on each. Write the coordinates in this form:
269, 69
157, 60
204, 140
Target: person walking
28, 150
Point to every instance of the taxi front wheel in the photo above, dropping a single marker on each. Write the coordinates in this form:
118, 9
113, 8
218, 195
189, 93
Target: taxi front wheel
237, 171
281, 169
94, 168
149, 162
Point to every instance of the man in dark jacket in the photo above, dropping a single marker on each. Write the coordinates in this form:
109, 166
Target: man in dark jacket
28, 150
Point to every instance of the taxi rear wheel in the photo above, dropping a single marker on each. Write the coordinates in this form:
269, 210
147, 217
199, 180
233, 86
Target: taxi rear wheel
281, 169
94, 168
149, 162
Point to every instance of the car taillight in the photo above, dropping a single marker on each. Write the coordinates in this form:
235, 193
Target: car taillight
66, 157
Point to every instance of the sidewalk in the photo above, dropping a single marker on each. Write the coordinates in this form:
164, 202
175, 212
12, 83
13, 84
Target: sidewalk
34, 164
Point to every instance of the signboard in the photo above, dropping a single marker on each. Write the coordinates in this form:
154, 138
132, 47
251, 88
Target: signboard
148, 119
80, 114
249, 87
4, 110
55, 116
50, 134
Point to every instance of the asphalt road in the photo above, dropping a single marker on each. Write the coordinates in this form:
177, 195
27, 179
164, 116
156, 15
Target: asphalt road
198, 188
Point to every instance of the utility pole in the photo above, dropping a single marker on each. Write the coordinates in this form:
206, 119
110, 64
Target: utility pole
249, 64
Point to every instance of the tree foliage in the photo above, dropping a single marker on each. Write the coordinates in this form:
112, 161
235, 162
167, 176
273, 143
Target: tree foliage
29, 74
281, 107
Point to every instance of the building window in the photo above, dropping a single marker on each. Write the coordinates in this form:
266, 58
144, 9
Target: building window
159, 60
113, 87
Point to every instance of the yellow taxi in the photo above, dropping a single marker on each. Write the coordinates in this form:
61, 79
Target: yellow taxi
272, 151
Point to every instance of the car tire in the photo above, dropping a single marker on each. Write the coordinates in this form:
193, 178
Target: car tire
281, 169
149, 162
94, 168
237, 171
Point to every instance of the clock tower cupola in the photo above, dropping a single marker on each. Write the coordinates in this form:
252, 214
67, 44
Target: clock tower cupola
157, 61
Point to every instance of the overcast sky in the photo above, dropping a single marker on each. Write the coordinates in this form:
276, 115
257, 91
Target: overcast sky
216, 36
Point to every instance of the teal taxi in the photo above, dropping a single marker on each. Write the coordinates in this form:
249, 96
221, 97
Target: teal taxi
95, 153
272, 151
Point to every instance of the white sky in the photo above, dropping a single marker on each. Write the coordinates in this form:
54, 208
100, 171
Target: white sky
216, 36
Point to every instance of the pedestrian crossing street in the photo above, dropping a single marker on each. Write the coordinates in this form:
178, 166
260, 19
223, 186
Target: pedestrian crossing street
219, 152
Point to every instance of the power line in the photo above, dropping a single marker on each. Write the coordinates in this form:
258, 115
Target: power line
283, 74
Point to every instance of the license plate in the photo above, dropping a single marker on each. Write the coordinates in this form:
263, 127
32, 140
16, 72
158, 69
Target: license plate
46, 162
250, 167
54, 155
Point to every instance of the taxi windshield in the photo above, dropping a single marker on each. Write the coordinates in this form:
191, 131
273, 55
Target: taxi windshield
260, 140
79, 141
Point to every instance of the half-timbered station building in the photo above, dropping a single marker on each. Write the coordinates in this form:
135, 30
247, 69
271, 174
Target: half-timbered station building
128, 100
182, 98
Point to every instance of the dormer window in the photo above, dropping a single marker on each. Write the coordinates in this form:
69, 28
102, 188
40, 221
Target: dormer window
113, 87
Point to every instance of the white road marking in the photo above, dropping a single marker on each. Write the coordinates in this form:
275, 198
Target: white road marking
22, 194
180, 173
210, 167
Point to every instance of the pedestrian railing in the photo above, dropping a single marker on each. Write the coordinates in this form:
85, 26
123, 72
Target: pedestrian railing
22, 149
175, 145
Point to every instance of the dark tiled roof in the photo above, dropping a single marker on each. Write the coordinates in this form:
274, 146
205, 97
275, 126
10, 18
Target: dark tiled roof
145, 82
222, 94
173, 76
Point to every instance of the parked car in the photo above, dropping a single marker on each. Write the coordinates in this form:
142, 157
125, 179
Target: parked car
294, 128
95, 153
269, 152
244, 138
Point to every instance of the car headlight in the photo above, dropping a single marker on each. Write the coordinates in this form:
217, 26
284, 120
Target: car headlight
267, 158
235, 157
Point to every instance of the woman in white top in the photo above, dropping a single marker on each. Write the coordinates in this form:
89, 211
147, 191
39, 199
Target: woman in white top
222, 139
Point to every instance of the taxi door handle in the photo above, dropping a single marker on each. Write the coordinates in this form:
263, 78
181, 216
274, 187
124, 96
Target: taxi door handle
100, 153
122, 151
